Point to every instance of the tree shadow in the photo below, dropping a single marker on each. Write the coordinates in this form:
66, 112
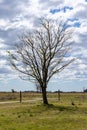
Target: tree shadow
60, 107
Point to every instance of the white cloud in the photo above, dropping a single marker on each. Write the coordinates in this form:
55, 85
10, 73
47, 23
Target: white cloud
83, 67
3, 23
1, 1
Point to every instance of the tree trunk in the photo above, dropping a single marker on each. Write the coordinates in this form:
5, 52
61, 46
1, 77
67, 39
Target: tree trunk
44, 95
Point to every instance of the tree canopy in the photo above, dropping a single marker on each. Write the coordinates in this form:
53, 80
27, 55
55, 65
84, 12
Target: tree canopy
42, 53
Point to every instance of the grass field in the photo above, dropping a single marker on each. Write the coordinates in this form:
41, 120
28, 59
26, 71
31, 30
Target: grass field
70, 113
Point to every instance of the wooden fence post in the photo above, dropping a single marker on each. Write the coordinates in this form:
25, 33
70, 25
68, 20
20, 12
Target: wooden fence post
20, 97
58, 95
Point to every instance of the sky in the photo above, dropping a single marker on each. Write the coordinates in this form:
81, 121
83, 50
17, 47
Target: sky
16, 16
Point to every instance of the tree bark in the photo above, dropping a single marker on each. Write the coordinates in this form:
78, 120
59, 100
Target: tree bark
44, 95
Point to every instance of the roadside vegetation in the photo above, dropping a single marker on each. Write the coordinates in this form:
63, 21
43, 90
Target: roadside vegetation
70, 113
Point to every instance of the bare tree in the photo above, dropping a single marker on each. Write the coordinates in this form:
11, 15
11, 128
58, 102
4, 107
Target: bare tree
42, 53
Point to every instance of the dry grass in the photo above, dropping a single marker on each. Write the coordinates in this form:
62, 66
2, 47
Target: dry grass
35, 116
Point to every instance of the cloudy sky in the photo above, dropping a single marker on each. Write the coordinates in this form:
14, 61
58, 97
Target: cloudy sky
18, 15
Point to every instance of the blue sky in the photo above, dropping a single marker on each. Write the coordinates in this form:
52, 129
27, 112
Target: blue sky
19, 15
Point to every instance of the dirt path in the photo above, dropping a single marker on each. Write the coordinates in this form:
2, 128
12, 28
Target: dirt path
10, 102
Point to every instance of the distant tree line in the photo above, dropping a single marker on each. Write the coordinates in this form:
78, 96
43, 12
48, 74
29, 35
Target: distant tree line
85, 90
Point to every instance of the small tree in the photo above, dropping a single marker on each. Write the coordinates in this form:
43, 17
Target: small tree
38, 87
42, 53
12, 90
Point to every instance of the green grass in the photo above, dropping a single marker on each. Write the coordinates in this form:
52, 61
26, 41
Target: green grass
36, 116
